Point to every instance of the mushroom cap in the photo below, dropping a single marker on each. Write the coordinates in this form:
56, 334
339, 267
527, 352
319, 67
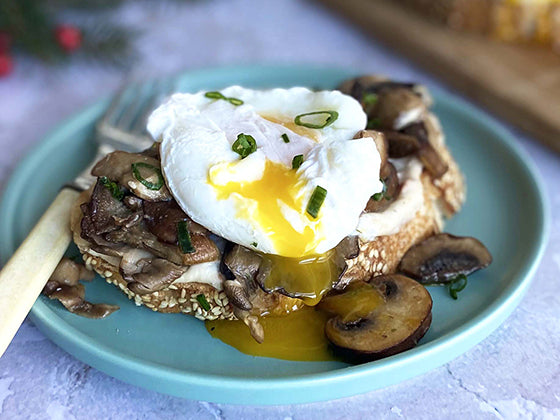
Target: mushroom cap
398, 318
441, 258
390, 178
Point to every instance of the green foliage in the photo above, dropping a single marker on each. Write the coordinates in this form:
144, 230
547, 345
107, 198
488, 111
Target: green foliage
31, 25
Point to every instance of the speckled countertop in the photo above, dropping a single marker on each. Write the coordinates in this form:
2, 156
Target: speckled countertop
514, 373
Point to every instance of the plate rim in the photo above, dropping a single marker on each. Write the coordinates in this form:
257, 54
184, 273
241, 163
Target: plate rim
448, 346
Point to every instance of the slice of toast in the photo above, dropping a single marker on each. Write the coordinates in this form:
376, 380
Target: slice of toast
443, 197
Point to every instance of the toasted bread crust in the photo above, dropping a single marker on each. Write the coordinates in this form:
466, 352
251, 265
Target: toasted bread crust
175, 298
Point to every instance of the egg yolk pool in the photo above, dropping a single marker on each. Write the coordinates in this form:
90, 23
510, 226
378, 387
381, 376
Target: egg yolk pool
297, 336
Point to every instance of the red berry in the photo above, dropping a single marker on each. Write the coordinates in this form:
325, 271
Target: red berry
6, 65
68, 37
5, 42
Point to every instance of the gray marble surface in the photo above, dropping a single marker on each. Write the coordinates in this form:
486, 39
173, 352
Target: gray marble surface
514, 373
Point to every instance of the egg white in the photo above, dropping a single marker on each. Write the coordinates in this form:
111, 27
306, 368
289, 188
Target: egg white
197, 134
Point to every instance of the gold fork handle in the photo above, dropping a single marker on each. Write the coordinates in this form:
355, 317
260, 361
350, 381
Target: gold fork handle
26, 273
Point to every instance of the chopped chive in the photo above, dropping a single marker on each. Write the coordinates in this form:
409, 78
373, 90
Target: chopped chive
148, 184
254, 244
218, 95
373, 123
244, 145
203, 302
381, 195
184, 238
316, 201
332, 117
369, 99
457, 284
112, 187
285, 138
234, 101
214, 95
297, 161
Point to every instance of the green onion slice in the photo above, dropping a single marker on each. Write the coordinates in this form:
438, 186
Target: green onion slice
184, 238
457, 284
285, 138
148, 184
219, 95
244, 145
316, 201
235, 101
297, 161
214, 95
380, 195
370, 99
112, 187
373, 123
332, 116
203, 302
254, 244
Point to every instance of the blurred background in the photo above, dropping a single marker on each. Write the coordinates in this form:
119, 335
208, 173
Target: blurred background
58, 56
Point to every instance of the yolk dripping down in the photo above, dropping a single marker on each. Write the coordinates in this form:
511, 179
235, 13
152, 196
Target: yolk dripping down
297, 271
298, 335
308, 278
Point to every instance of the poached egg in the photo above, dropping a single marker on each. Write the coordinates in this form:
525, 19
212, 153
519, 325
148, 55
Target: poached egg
261, 201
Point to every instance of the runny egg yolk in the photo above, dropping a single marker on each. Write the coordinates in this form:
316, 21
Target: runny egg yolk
308, 278
297, 336
279, 184
298, 271
292, 126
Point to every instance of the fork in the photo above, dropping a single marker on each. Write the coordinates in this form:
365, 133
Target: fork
122, 127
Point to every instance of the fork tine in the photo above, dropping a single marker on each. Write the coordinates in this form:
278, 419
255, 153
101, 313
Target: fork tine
160, 90
139, 95
115, 106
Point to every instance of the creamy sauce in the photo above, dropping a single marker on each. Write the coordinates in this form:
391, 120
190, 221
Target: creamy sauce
208, 273
296, 336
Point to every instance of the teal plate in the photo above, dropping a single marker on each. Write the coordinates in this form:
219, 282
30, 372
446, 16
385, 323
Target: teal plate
174, 354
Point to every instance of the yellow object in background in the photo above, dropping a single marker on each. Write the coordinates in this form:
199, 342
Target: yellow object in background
519, 21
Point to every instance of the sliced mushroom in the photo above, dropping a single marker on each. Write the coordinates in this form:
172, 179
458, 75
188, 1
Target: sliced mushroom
427, 154
156, 275
101, 213
145, 181
358, 86
238, 294
242, 291
162, 219
133, 203
385, 316
139, 237
397, 108
69, 273
442, 257
401, 144
380, 143
349, 247
64, 286
243, 263
133, 261
380, 201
